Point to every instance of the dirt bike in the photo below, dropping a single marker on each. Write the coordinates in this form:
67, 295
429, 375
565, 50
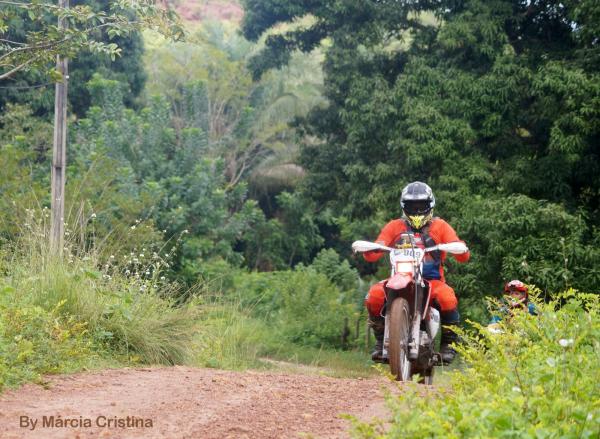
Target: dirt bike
411, 323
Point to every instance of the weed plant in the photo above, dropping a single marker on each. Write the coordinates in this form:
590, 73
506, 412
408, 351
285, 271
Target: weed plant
536, 378
60, 314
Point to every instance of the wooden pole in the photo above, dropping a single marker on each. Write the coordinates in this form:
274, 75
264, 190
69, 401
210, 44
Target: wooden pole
59, 155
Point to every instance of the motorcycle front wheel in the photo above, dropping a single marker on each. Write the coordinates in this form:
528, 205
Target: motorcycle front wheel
399, 321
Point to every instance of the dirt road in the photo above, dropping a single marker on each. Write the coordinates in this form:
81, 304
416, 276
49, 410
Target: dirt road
183, 402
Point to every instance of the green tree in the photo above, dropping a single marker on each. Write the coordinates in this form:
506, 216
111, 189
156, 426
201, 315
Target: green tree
478, 98
36, 90
208, 86
43, 39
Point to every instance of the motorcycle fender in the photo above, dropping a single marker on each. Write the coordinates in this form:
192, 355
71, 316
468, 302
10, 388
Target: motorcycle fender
399, 281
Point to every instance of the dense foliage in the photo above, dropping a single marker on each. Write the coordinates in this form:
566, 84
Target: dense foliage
537, 378
35, 89
35, 33
495, 104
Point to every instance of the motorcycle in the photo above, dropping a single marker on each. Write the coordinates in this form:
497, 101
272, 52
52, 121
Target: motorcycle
411, 323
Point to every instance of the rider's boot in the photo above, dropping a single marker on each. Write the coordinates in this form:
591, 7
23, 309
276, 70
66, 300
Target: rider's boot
377, 324
450, 321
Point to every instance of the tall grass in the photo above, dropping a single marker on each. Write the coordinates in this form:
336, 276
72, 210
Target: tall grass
63, 313
230, 339
236, 333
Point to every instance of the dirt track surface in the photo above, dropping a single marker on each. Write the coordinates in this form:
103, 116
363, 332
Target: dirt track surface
183, 402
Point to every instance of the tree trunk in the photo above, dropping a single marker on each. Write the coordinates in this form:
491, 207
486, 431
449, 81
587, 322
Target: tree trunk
59, 155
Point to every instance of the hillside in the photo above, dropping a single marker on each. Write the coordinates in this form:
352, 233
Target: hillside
201, 10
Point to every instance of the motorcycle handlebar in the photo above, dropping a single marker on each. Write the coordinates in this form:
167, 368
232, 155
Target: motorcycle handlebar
450, 247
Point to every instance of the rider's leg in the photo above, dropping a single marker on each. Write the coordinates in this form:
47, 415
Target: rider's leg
450, 320
374, 302
450, 317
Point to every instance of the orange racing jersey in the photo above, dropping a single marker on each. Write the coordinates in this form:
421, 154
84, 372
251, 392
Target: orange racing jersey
440, 232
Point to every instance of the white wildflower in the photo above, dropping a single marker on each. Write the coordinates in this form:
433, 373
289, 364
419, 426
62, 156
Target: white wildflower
565, 342
516, 389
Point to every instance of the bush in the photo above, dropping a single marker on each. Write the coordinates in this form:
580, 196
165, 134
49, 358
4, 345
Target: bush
34, 340
58, 315
338, 271
303, 306
229, 338
538, 379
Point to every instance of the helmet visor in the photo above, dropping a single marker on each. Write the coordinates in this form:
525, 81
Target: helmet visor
417, 207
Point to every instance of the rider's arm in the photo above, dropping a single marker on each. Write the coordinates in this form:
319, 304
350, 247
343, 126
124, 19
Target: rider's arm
389, 232
449, 235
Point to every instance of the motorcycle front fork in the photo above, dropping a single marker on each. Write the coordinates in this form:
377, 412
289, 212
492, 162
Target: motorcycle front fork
386, 337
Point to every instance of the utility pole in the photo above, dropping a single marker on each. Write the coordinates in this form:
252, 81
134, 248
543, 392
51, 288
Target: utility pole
59, 150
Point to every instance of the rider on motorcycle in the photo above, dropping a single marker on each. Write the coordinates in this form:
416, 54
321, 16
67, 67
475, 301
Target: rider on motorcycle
417, 203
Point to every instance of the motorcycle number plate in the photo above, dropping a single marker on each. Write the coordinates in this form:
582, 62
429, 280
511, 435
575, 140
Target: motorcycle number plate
408, 253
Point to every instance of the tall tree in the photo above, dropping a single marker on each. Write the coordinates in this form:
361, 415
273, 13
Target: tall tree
75, 30
479, 98
115, 54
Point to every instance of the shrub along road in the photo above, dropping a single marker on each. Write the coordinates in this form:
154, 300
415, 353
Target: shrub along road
184, 402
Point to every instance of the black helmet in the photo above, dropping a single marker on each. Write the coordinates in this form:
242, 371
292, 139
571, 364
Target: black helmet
417, 202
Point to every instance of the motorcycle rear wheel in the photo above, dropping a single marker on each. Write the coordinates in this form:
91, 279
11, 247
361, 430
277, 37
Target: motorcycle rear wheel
399, 321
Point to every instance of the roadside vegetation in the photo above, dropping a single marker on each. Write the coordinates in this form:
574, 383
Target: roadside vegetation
537, 378
85, 312
60, 315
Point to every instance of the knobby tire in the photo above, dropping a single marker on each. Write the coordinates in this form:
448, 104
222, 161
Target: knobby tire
399, 315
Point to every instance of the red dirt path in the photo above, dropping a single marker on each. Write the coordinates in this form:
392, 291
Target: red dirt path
184, 402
